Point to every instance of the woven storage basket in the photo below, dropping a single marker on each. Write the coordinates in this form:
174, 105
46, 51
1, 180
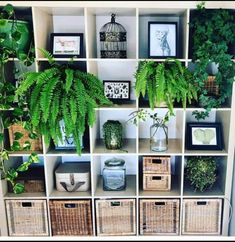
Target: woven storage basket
160, 182
211, 86
159, 165
202, 216
159, 217
71, 217
116, 217
27, 217
36, 144
30, 186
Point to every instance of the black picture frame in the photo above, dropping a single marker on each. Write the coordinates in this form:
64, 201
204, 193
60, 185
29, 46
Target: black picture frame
115, 98
168, 41
197, 143
69, 53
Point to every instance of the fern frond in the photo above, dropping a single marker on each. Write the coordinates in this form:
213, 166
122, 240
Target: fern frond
47, 55
46, 97
68, 79
73, 108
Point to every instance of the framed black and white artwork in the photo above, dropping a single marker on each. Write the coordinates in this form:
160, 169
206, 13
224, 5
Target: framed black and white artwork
162, 39
117, 90
204, 136
65, 45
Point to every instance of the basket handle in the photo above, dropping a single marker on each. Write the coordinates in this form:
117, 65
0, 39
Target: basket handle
26, 204
159, 203
115, 204
70, 205
156, 178
201, 203
156, 161
77, 185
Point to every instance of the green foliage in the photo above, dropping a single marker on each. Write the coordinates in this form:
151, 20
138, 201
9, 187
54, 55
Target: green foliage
61, 93
165, 82
212, 32
112, 131
201, 172
11, 174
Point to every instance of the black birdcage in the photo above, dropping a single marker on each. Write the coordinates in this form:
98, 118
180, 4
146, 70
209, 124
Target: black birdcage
113, 40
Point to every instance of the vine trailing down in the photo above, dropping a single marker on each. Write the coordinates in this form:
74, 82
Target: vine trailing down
61, 92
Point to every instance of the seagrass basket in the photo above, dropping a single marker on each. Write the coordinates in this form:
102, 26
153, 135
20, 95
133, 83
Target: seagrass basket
159, 216
36, 144
71, 217
116, 217
202, 216
156, 164
27, 217
159, 182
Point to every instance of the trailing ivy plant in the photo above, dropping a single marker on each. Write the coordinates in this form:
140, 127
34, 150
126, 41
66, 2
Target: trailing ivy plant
61, 92
201, 172
213, 31
11, 174
167, 82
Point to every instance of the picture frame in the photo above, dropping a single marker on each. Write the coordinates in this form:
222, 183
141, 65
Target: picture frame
117, 90
67, 45
204, 136
162, 39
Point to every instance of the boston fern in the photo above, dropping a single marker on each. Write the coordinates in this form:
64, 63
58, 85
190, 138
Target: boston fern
167, 82
61, 93
213, 31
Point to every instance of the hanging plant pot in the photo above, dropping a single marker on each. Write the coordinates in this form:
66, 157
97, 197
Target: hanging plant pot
16, 35
112, 130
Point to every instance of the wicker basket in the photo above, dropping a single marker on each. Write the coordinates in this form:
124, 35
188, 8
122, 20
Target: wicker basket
202, 216
71, 217
27, 217
157, 165
30, 186
116, 217
36, 144
159, 217
211, 86
159, 182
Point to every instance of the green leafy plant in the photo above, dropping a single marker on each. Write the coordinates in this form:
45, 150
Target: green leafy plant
15, 41
201, 172
213, 31
165, 82
61, 92
112, 131
11, 174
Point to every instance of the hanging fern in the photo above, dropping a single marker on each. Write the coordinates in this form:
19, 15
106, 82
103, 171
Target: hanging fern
61, 93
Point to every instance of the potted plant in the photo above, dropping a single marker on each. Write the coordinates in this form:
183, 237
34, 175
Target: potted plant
201, 172
61, 92
165, 82
112, 130
213, 31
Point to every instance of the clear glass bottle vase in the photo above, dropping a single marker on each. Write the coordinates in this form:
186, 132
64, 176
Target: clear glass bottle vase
158, 136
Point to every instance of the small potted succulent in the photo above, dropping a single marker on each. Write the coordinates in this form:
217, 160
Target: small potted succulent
201, 172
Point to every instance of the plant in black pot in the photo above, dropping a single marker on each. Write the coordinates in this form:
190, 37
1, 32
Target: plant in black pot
201, 172
213, 32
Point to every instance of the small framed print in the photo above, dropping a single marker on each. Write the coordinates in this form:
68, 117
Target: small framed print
117, 90
162, 39
204, 136
64, 45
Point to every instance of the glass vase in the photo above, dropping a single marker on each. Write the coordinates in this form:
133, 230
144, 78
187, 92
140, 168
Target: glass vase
158, 137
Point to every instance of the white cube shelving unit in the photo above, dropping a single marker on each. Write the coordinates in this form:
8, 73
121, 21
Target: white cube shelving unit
87, 18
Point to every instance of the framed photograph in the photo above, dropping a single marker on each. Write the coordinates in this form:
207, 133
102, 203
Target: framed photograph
204, 136
162, 39
117, 91
67, 45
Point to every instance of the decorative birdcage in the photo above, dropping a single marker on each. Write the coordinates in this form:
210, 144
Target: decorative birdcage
113, 40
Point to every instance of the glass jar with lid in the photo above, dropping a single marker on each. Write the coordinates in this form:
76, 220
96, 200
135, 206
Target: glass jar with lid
114, 175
